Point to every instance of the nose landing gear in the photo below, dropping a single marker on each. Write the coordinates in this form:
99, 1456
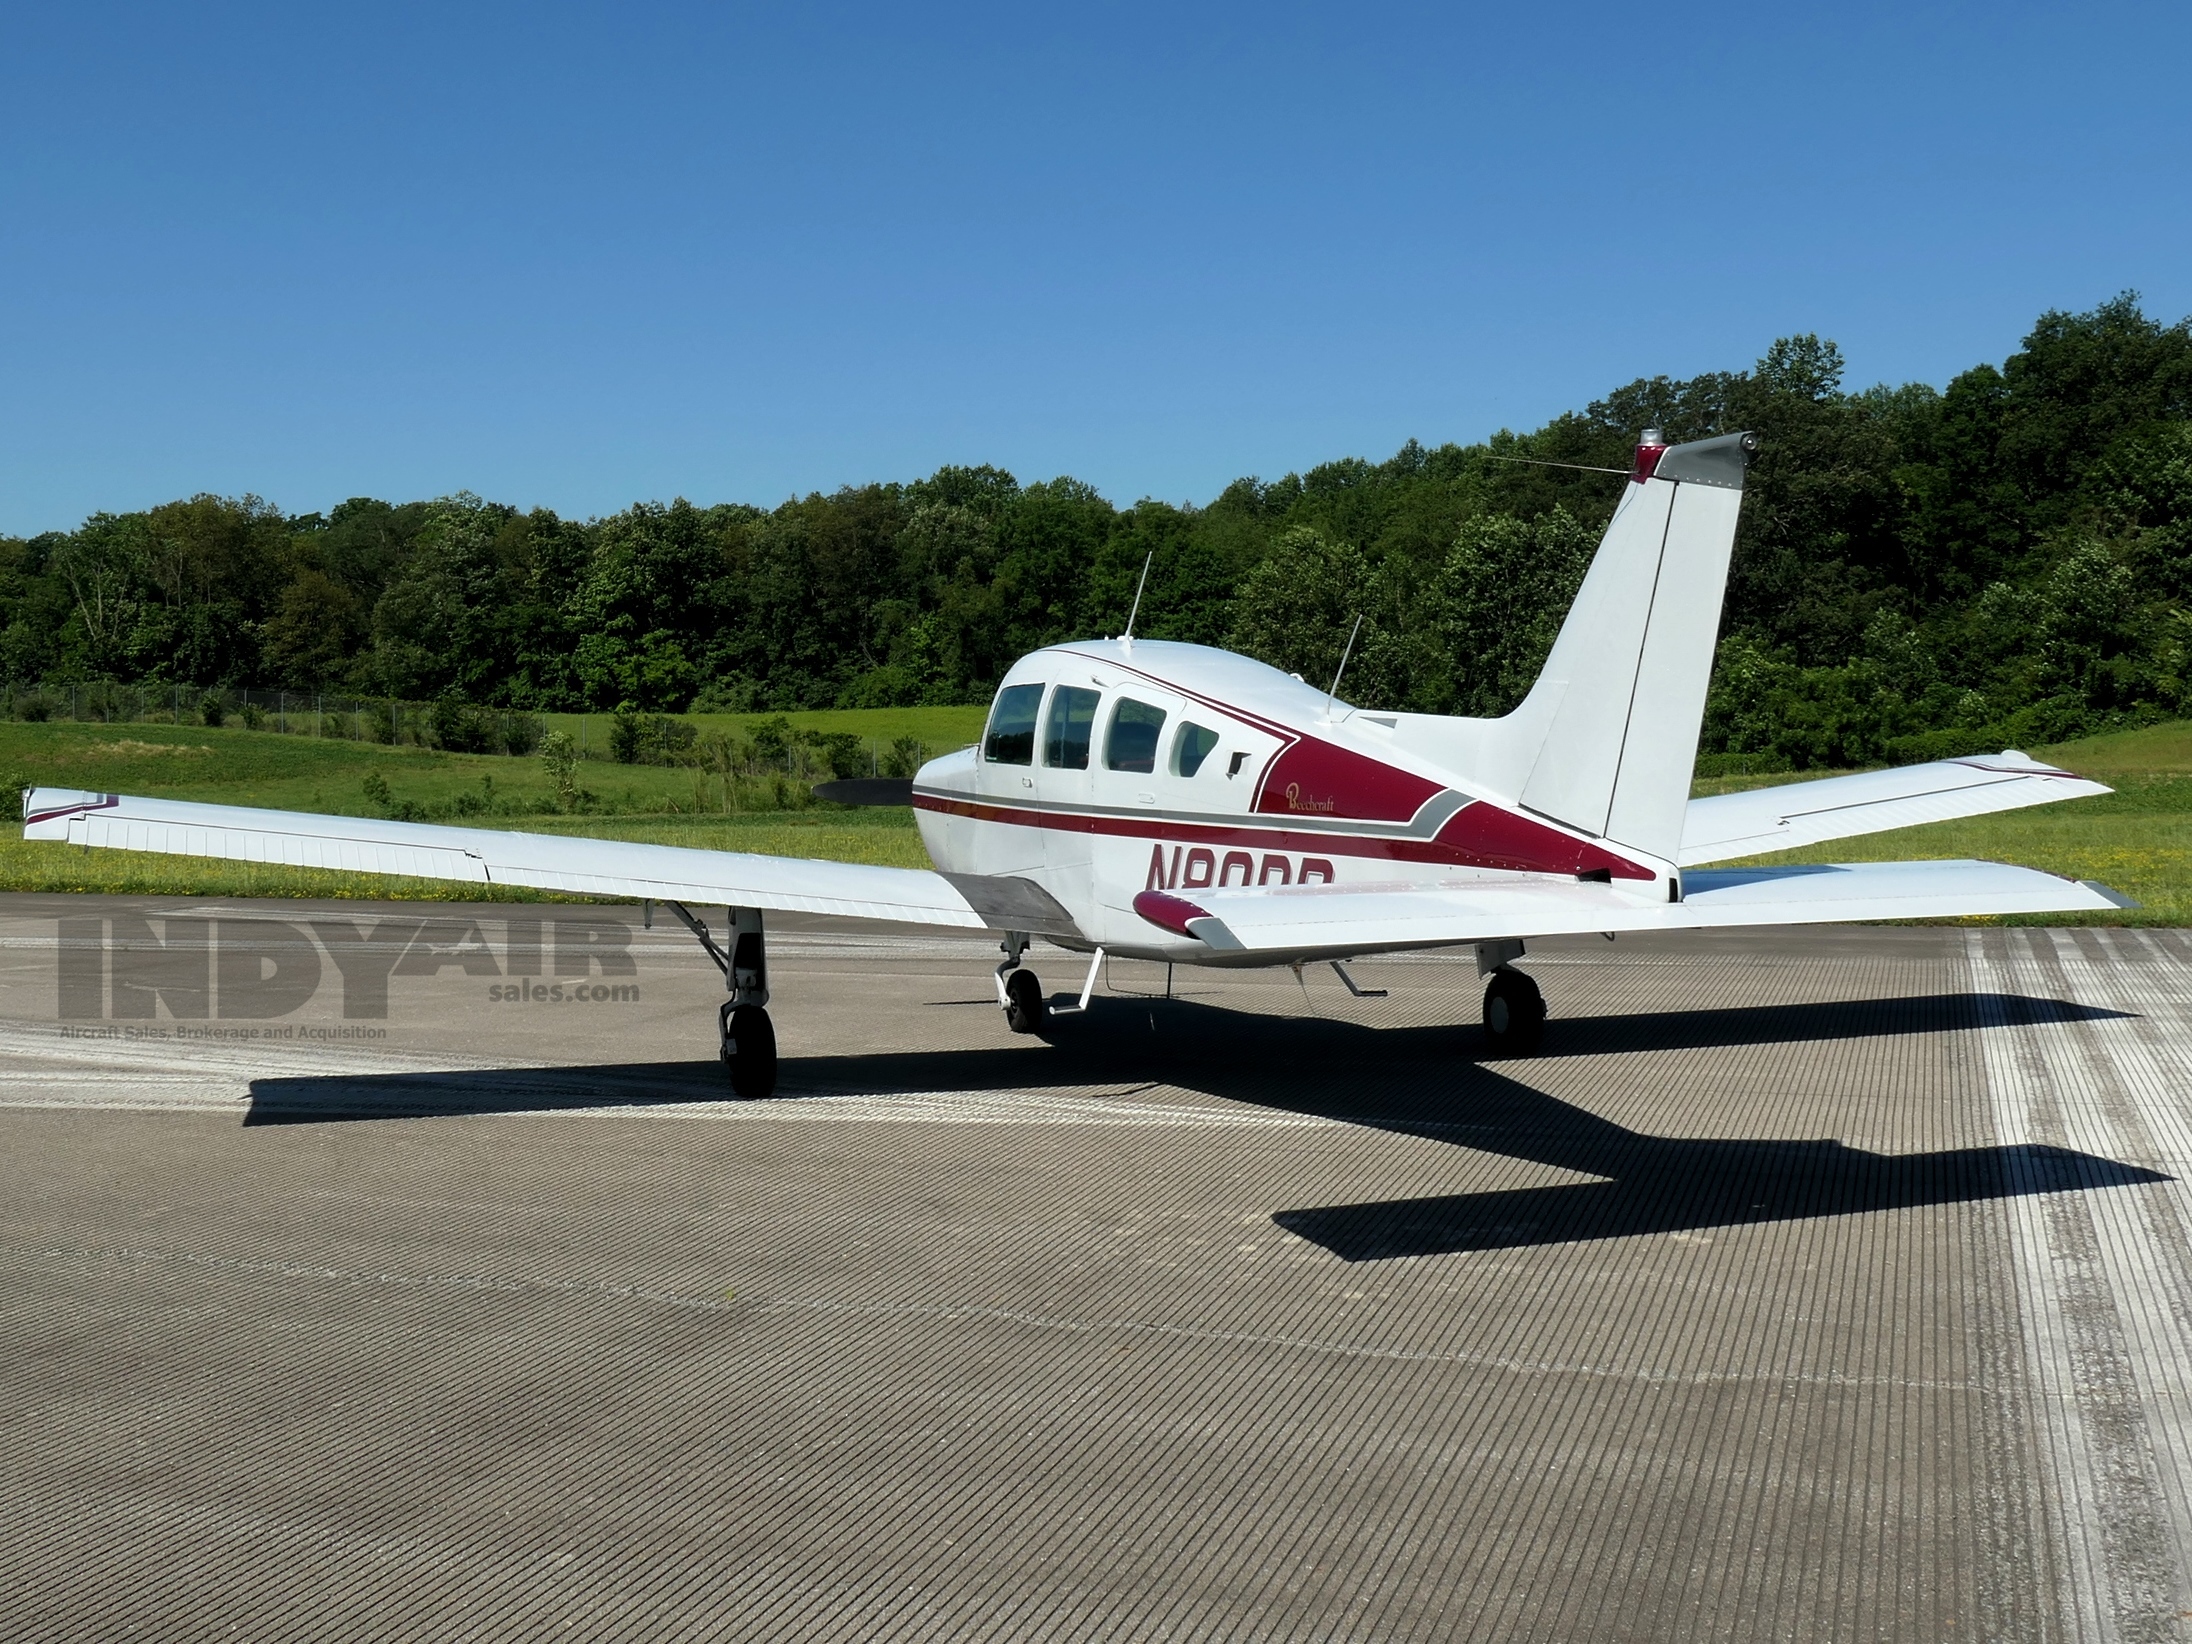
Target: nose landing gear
1027, 1009
1025, 1006
1018, 990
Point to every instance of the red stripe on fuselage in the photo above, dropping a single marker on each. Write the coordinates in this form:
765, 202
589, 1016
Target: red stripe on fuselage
1493, 838
1499, 840
1316, 778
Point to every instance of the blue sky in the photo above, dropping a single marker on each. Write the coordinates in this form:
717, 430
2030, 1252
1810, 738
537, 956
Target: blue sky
576, 255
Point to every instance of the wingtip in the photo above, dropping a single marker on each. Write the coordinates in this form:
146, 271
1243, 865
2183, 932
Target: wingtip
1168, 912
51, 808
1213, 932
2109, 894
1183, 918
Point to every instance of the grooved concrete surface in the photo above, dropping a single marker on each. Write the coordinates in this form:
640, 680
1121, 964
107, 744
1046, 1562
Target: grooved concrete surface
1826, 1285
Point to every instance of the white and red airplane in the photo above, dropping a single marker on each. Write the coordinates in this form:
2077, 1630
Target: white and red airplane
1178, 803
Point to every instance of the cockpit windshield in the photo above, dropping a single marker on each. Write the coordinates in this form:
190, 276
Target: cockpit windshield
1011, 738
1072, 721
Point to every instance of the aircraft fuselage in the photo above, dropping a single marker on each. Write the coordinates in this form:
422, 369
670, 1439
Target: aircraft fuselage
1110, 768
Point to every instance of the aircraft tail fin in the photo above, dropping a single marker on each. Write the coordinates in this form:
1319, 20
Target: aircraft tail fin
1606, 741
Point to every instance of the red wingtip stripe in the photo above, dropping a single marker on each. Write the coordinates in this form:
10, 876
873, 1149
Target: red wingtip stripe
1168, 912
1980, 762
104, 803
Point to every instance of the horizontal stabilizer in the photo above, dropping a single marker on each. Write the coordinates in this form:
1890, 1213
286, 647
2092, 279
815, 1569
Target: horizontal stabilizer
867, 790
1730, 825
1316, 921
484, 856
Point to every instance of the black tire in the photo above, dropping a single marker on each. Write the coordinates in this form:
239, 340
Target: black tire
1026, 1007
1514, 1013
749, 1052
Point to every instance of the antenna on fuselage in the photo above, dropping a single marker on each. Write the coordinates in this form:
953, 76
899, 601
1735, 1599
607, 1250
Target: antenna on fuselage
1333, 695
1127, 638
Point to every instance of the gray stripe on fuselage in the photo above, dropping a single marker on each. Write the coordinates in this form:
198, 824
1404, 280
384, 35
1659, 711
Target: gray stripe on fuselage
1434, 814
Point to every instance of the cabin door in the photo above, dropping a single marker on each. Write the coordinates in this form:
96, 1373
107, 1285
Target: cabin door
1069, 735
1008, 837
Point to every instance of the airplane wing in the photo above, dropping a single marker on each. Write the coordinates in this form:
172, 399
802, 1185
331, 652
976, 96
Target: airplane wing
1839, 807
1316, 921
593, 867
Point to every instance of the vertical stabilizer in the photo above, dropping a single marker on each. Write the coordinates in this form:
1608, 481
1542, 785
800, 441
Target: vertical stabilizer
1615, 714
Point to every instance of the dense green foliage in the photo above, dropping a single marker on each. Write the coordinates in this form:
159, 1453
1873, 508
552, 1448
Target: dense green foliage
2006, 560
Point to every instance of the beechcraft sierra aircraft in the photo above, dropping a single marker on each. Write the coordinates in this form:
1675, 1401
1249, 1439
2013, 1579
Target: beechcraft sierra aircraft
1187, 805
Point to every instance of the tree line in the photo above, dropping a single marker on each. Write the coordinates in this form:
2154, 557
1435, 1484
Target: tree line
2006, 560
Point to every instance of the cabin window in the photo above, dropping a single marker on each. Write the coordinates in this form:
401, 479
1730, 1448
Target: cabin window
1011, 739
1072, 722
1131, 744
1191, 747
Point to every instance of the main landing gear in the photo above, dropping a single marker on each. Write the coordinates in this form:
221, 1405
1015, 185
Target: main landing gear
747, 1046
1514, 1010
747, 1037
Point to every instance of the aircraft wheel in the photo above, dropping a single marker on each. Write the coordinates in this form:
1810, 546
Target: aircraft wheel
1027, 1007
1514, 1013
749, 1051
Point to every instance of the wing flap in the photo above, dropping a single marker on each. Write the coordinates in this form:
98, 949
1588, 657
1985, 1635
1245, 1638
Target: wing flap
592, 867
1730, 825
1317, 922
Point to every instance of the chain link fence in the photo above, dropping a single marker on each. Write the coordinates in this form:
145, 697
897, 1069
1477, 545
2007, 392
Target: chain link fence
459, 727
456, 726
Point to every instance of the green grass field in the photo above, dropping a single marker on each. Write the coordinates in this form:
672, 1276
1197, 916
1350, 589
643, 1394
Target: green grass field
665, 805
938, 730
2138, 839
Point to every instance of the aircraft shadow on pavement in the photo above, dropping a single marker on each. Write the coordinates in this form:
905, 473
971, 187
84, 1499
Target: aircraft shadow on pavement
1431, 1082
